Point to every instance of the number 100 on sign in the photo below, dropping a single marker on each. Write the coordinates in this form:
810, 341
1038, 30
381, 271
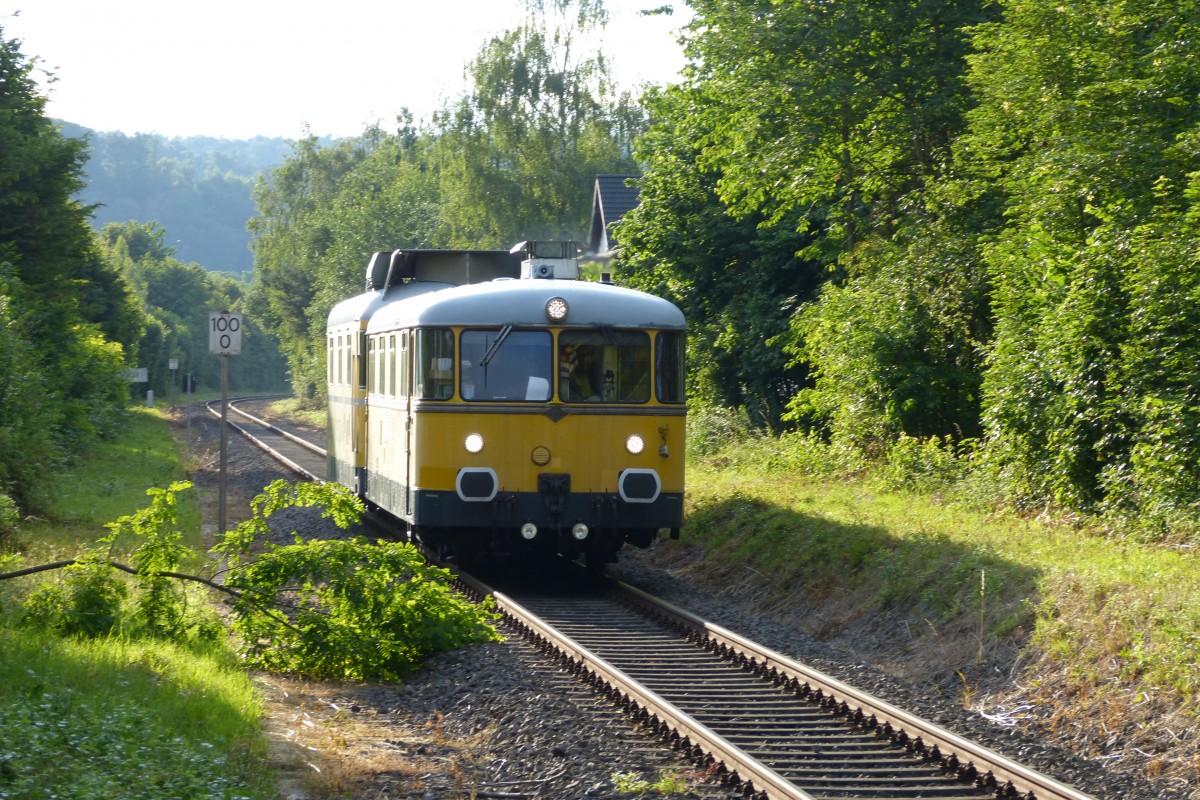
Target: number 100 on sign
225, 334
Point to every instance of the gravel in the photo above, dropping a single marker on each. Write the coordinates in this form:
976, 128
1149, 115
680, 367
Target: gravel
496, 721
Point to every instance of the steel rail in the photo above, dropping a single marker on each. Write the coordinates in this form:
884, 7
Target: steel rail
766, 782
961, 754
321, 451
262, 444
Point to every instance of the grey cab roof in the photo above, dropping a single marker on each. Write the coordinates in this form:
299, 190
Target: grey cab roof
523, 303
362, 307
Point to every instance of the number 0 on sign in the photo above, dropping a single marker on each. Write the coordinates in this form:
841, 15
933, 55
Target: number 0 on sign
225, 334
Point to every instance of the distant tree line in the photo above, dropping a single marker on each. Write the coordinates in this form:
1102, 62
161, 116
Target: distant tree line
198, 189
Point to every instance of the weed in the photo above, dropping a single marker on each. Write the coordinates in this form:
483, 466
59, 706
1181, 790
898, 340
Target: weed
668, 783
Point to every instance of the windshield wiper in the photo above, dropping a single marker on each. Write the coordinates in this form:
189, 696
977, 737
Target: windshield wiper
491, 351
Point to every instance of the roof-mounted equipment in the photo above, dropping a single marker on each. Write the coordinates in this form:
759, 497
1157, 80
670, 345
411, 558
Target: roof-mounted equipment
549, 259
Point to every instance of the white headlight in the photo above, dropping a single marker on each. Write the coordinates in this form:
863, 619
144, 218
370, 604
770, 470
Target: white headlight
580, 531
474, 443
528, 531
634, 444
556, 309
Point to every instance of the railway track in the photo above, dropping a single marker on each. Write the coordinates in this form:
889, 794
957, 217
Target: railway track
293, 451
777, 728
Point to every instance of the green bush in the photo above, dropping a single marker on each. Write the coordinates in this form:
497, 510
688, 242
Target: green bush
344, 609
86, 603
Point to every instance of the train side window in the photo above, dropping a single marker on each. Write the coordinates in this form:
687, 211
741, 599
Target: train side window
512, 367
402, 365
372, 367
669, 367
435, 363
329, 359
391, 365
604, 366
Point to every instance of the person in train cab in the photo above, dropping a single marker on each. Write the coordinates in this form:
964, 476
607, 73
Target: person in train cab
575, 367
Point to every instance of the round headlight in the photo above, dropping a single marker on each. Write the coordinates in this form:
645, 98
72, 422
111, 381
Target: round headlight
556, 309
474, 443
580, 531
528, 531
634, 444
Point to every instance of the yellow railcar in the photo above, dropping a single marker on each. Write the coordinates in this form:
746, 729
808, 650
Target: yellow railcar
509, 405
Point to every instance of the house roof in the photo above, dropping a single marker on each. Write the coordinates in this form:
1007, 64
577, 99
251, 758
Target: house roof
614, 195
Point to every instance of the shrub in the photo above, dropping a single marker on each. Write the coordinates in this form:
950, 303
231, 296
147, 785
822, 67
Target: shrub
345, 609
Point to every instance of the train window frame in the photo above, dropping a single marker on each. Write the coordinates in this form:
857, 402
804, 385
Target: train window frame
372, 366
670, 367
523, 365
433, 377
337, 361
621, 374
391, 365
403, 366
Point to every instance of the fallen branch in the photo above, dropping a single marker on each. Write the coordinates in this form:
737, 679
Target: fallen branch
124, 568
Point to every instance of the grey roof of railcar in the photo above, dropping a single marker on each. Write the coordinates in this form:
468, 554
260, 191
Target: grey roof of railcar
523, 303
363, 306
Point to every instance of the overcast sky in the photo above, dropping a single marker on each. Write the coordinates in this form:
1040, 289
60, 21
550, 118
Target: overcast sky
241, 68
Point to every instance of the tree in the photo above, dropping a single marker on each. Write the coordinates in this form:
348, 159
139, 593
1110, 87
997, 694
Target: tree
807, 137
321, 214
518, 155
737, 280
68, 319
842, 108
1086, 124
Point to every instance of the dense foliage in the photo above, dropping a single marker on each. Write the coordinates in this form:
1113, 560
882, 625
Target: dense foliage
334, 608
998, 199
67, 319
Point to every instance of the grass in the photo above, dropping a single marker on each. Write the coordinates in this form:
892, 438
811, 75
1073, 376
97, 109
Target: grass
110, 716
1080, 596
109, 482
292, 407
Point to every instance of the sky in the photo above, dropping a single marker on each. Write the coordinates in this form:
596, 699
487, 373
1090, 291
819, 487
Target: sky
237, 69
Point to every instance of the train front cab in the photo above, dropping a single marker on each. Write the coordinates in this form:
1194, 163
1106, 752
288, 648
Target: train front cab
503, 439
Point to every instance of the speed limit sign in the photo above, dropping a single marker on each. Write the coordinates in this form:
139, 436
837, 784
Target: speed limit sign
225, 334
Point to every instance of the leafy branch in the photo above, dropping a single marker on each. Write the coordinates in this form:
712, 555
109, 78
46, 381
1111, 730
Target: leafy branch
353, 609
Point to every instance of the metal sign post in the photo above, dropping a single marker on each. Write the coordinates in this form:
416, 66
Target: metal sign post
225, 340
173, 365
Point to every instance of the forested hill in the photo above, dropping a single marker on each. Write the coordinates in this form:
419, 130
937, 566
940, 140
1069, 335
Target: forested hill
197, 189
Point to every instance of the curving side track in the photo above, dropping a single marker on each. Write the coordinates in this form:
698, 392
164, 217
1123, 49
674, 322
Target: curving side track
296, 453
779, 729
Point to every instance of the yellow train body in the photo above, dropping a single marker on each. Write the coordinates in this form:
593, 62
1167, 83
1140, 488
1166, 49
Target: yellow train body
511, 413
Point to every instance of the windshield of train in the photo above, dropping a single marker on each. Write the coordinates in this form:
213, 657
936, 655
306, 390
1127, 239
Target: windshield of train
506, 365
604, 366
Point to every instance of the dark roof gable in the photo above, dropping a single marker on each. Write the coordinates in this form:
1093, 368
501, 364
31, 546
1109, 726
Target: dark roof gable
614, 195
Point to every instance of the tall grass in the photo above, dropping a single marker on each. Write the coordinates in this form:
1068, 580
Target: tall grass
914, 532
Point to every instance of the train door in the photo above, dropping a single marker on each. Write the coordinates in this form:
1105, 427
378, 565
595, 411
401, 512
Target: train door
404, 393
